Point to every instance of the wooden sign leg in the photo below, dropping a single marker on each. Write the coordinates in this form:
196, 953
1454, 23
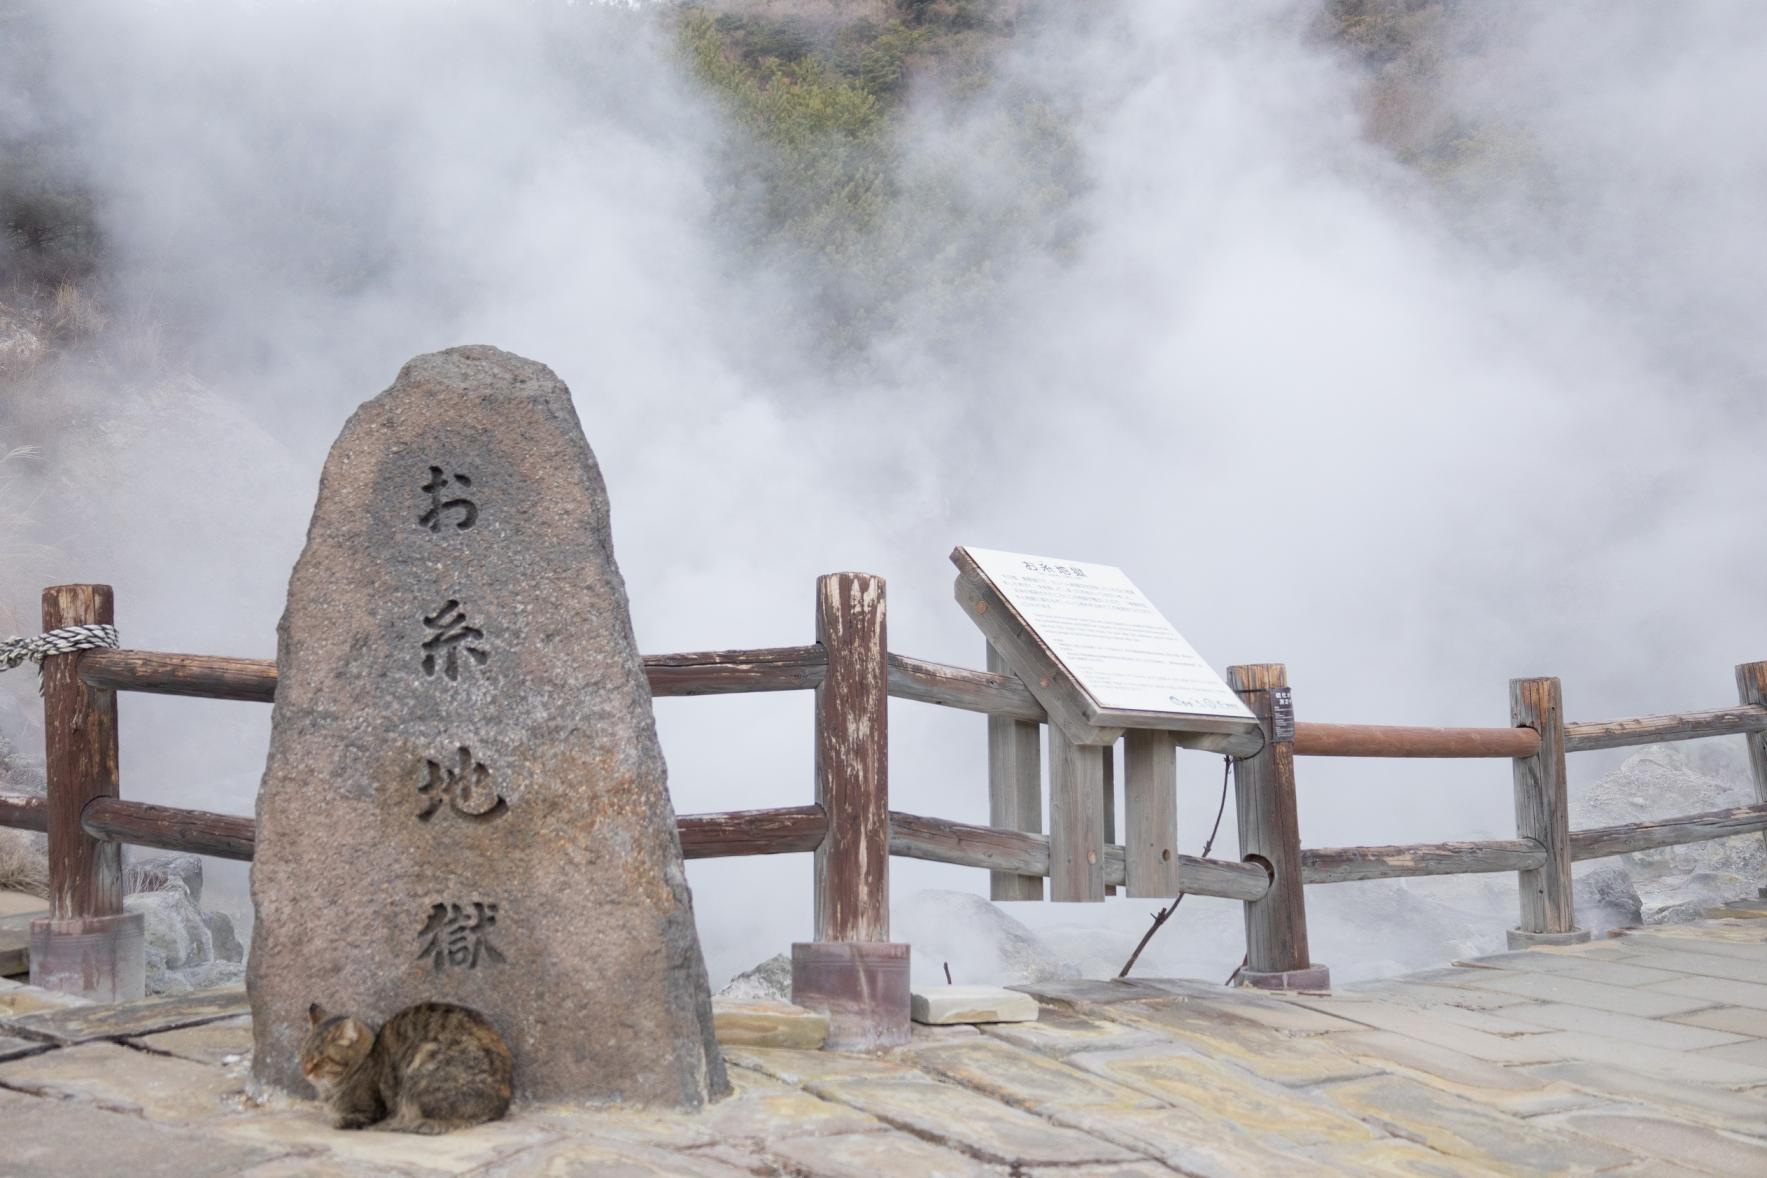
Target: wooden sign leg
1270, 833
1150, 813
1542, 813
1076, 819
1015, 789
87, 945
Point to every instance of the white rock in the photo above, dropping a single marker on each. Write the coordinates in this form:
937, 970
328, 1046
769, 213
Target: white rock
945, 1005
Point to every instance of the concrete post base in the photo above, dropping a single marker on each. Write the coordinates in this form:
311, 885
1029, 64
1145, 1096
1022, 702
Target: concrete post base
862, 986
1314, 977
103, 958
1522, 939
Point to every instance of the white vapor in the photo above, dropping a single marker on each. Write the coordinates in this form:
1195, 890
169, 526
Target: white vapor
1411, 437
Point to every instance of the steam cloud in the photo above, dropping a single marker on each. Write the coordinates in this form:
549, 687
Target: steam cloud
1412, 435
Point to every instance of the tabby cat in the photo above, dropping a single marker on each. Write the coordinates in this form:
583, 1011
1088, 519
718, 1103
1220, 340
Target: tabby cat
433, 1067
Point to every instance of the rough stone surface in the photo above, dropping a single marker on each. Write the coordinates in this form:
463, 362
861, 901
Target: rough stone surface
1604, 898
51, 1138
153, 874
945, 1005
463, 752
769, 981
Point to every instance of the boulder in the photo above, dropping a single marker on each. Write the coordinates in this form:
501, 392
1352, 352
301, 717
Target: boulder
1605, 898
769, 981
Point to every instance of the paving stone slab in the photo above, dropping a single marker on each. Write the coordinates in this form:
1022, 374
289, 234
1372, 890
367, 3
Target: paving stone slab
1609, 972
12, 1047
227, 1043
1428, 1027
1715, 991
960, 1119
956, 1005
803, 1067
1421, 994
1108, 1170
1709, 965
83, 1024
1704, 1149
1258, 1107
1024, 1078
1452, 1068
1060, 1031
1627, 1028
1461, 1128
123, 1079
1288, 1013
592, 1158
1680, 1066
1273, 1055
1755, 951
304, 1128
1737, 1020
1648, 1002
1082, 992
1749, 1051
50, 1138
19, 1001
1395, 1156
1184, 1139
763, 1023
879, 1155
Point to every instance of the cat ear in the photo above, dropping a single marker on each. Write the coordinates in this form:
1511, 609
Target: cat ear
348, 1033
315, 1015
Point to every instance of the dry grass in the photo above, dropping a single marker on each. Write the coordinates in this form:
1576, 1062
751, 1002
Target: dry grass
23, 865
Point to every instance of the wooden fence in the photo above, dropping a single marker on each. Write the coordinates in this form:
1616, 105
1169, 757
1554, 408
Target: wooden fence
849, 826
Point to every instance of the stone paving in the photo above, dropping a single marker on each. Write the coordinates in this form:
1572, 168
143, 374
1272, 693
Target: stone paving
1641, 1054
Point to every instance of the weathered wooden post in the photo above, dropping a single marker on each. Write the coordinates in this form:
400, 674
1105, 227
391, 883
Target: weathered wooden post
1076, 818
1542, 813
1150, 813
1015, 788
87, 945
1270, 834
1751, 688
852, 970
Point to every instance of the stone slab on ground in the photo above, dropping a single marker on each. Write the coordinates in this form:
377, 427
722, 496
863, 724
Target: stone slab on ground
1646, 1002
948, 1005
225, 1043
15, 952
1736, 1020
12, 1047
87, 1022
1707, 991
764, 1023
1177, 1077
49, 1138
161, 1088
465, 799
880, 1155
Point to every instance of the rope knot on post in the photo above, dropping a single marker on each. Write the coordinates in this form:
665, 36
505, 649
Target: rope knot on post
15, 651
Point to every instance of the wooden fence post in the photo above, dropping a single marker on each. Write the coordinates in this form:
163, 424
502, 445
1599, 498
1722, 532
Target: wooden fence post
1751, 688
1542, 813
1270, 834
87, 945
852, 971
1015, 789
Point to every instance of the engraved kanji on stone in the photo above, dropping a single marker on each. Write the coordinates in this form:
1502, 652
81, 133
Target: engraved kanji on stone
459, 935
464, 784
441, 650
439, 508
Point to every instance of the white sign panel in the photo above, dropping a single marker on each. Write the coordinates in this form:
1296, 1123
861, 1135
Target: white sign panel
1120, 650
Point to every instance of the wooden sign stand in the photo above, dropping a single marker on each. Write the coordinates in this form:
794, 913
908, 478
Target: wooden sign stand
1082, 736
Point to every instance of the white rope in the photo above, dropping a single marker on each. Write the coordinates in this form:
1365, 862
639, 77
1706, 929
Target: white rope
68, 639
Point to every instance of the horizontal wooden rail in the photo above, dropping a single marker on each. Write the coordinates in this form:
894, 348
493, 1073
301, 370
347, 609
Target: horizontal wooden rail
24, 812
991, 692
232, 836
1393, 740
1611, 734
940, 841
1601, 841
196, 832
1343, 864
717, 672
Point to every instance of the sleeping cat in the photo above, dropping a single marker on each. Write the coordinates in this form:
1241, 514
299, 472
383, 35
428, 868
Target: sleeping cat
433, 1067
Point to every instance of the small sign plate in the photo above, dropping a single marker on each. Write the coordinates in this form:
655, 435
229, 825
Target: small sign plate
1117, 646
1282, 718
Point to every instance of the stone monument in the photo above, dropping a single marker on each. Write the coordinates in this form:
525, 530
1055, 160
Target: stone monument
465, 800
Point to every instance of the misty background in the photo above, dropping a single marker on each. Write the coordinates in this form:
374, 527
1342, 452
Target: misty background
1416, 345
